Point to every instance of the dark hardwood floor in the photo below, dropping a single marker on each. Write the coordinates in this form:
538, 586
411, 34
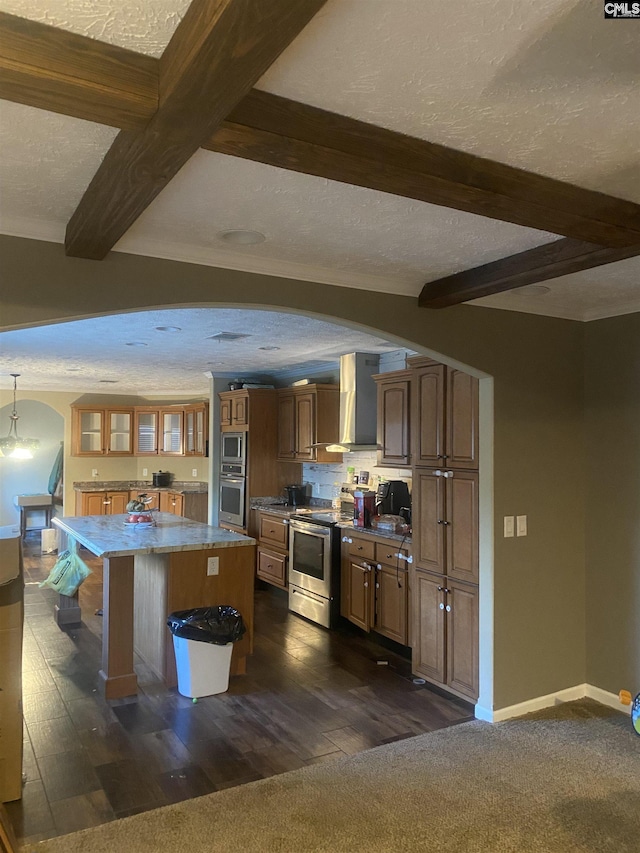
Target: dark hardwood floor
309, 695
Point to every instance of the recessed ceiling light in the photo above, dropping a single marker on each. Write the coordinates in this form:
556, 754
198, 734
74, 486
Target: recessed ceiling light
531, 290
240, 237
137, 344
268, 349
168, 329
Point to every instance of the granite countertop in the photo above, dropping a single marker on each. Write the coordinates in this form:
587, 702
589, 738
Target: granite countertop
182, 486
277, 505
110, 536
372, 531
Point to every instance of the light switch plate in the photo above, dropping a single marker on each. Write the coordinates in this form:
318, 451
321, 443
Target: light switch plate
145, 472
521, 525
194, 472
213, 565
508, 526
94, 472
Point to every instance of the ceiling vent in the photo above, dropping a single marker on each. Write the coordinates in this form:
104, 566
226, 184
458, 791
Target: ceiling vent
228, 336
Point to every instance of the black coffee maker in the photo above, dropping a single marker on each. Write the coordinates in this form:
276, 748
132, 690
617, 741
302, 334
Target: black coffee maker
391, 497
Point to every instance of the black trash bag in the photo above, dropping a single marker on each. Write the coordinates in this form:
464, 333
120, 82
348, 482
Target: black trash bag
218, 625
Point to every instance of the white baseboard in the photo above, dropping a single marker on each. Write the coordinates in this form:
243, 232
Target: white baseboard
580, 691
606, 698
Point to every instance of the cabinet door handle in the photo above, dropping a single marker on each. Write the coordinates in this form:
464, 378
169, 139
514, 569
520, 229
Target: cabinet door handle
445, 523
440, 588
106, 503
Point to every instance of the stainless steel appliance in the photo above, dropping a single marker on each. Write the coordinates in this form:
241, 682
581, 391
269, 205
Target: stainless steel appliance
233, 450
231, 507
391, 497
314, 566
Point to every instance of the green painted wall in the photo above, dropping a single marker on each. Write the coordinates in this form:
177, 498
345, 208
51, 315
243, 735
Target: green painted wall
537, 366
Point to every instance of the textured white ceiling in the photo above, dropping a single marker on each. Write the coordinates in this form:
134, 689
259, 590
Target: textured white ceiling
76, 356
548, 86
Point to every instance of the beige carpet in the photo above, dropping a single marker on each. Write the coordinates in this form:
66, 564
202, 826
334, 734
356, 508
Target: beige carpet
565, 780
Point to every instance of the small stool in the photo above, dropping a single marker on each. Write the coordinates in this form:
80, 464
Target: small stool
34, 503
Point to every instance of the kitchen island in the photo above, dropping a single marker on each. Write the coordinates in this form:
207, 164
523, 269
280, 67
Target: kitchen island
149, 572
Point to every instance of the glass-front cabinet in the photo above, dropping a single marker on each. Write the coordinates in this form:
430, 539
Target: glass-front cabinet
170, 430
195, 430
172, 433
102, 432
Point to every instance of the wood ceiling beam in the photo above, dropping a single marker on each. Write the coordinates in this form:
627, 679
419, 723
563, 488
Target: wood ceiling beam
551, 260
66, 73
217, 53
270, 129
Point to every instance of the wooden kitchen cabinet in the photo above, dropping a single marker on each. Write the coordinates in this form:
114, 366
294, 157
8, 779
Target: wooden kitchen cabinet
102, 432
444, 635
374, 588
306, 416
444, 416
234, 408
159, 432
101, 503
195, 429
393, 422
273, 549
445, 522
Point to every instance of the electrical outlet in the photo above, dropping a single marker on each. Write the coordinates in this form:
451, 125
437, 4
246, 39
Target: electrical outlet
508, 526
213, 565
94, 472
194, 472
145, 472
521, 525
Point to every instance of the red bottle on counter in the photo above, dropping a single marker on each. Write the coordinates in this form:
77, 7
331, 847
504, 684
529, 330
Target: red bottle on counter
364, 507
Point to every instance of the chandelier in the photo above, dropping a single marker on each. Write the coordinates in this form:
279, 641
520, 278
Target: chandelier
12, 445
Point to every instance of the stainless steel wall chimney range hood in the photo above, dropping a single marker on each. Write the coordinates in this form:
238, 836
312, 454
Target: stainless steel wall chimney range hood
358, 403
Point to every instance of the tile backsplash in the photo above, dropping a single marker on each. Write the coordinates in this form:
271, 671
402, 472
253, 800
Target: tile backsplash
322, 478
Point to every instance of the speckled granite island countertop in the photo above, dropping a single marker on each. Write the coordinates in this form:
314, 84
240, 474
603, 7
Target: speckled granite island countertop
182, 486
109, 535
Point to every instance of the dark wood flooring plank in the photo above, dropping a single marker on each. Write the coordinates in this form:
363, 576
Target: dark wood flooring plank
67, 774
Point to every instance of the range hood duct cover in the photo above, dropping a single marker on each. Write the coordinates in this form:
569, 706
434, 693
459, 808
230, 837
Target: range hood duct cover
358, 401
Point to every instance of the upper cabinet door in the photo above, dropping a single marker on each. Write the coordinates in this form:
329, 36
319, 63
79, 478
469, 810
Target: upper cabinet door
428, 416
462, 420
89, 432
172, 435
119, 432
240, 410
225, 411
393, 420
286, 427
305, 427
146, 433
195, 429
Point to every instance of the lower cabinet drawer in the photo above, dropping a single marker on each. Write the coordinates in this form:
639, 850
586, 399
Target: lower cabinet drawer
362, 548
272, 567
387, 554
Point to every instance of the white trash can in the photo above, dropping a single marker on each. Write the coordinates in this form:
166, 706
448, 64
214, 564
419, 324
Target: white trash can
203, 668
49, 540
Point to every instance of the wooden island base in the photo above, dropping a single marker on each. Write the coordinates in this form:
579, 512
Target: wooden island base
166, 583
153, 572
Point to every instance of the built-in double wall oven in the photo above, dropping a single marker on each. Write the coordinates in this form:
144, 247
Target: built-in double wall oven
231, 507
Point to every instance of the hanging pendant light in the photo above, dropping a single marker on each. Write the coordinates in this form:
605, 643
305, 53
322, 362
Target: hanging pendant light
12, 445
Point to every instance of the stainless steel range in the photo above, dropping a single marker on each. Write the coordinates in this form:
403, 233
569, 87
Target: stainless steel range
314, 566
